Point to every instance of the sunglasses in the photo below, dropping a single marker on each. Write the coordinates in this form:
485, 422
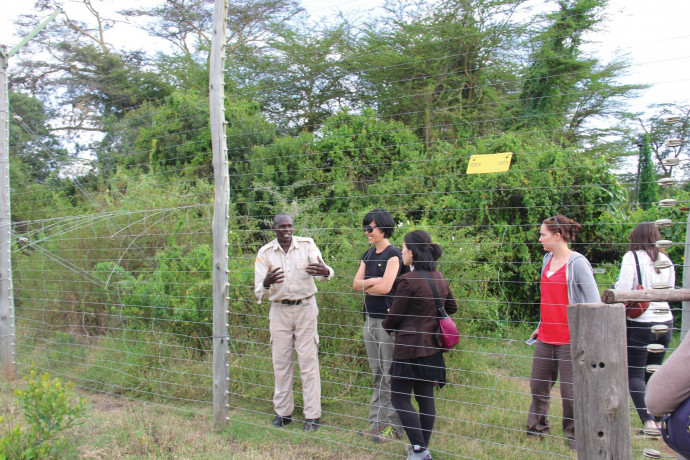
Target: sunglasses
369, 228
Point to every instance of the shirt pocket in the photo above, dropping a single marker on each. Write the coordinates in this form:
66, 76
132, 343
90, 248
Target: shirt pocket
301, 268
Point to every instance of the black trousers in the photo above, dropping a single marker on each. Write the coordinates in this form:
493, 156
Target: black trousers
418, 426
640, 335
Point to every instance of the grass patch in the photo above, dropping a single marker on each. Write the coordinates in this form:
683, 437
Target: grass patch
481, 414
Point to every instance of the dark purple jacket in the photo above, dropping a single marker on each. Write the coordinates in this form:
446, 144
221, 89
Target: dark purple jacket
413, 315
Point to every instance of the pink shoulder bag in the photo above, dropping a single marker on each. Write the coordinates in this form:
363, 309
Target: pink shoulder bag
449, 336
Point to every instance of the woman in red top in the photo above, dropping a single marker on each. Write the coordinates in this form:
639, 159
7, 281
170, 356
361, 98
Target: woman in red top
566, 278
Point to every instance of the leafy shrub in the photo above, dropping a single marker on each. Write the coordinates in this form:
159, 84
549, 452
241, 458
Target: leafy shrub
49, 410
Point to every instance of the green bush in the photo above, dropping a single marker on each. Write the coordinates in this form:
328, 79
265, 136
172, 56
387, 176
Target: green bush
49, 409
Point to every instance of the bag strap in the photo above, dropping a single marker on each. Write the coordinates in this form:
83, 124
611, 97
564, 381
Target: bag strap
637, 265
439, 306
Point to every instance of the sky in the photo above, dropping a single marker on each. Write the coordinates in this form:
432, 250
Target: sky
656, 37
654, 34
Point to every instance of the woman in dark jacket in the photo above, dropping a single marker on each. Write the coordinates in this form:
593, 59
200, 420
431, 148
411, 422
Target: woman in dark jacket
418, 363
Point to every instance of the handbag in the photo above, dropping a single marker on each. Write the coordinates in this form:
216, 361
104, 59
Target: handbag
635, 309
674, 429
449, 336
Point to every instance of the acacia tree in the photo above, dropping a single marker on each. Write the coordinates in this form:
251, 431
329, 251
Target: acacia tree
187, 24
305, 78
75, 66
562, 87
31, 141
659, 131
623, 140
445, 69
85, 78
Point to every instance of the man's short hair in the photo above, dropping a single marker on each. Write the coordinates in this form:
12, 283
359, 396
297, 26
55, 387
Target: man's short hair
282, 214
383, 220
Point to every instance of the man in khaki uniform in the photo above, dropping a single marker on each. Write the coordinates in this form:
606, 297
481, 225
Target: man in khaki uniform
284, 272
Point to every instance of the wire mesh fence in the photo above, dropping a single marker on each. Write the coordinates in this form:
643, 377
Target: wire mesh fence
112, 271
121, 303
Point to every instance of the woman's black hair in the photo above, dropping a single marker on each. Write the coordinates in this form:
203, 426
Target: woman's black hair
424, 252
383, 220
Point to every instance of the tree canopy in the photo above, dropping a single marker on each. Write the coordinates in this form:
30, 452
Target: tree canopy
329, 119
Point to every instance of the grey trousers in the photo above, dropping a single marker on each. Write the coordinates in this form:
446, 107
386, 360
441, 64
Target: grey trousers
379, 347
548, 362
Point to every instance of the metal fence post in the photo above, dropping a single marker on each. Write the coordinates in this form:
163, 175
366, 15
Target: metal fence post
7, 336
221, 206
7, 329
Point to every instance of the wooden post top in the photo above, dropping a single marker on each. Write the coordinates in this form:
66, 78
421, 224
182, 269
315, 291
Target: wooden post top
645, 295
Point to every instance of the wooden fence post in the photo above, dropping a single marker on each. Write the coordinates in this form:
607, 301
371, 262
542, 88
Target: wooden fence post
600, 381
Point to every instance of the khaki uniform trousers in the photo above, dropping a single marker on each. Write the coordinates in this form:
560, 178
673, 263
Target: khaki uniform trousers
293, 329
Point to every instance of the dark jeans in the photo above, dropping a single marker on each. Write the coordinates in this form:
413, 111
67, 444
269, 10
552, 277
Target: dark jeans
418, 426
548, 362
640, 335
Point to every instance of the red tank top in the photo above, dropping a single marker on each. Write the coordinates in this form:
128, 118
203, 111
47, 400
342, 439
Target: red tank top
553, 328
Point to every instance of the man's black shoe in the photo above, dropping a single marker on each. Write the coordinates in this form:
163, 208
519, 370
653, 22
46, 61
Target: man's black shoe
281, 421
311, 424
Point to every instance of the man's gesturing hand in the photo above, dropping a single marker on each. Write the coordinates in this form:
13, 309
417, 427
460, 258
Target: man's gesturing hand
318, 268
274, 275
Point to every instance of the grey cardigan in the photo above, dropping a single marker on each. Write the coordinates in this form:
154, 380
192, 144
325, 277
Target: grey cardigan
582, 288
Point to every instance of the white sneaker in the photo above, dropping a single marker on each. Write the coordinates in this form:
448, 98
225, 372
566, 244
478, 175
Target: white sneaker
421, 455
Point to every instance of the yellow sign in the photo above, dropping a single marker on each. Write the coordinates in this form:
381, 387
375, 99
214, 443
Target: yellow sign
496, 162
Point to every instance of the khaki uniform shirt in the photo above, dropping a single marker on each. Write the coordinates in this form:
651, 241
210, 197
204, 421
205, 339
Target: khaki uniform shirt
297, 284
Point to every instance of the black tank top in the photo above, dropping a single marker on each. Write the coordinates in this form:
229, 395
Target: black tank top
377, 306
